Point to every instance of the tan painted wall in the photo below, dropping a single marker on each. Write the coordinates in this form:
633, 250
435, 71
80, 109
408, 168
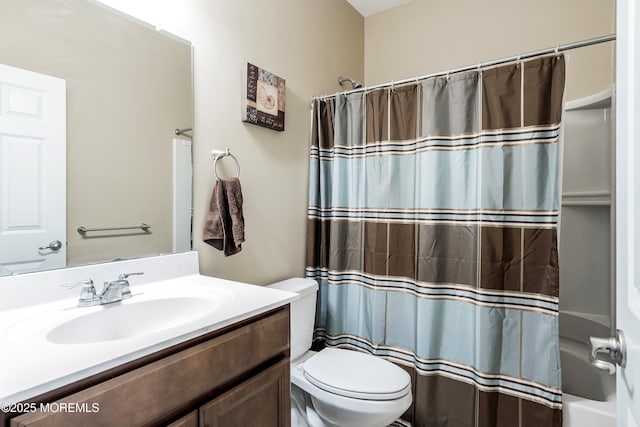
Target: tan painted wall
307, 42
128, 87
426, 36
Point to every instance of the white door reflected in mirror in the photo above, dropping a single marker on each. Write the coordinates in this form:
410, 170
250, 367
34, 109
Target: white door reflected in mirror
33, 165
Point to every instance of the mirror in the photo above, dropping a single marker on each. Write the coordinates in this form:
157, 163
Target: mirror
89, 101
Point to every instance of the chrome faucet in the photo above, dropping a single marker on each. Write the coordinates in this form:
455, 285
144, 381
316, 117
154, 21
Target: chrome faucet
117, 290
113, 291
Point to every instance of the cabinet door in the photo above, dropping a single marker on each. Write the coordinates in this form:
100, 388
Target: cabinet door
262, 401
189, 420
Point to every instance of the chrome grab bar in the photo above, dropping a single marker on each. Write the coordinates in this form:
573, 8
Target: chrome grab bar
183, 132
144, 227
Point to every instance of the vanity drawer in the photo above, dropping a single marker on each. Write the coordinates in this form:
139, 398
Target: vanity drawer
170, 386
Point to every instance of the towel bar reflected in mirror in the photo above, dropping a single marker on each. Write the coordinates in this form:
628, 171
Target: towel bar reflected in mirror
144, 227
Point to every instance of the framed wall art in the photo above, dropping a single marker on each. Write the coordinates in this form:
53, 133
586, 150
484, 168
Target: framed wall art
263, 95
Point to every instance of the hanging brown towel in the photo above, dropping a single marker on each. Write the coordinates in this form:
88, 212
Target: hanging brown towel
224, 228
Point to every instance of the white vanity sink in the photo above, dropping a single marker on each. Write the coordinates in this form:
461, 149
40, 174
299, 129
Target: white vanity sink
130, 319
154, 310
52, 342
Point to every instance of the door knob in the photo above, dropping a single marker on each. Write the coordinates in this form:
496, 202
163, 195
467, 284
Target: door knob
615, 347
53, 245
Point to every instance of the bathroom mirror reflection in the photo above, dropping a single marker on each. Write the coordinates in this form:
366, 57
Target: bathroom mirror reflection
89, 100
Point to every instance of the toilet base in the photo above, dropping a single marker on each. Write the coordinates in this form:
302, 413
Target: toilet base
302, 412
314, 407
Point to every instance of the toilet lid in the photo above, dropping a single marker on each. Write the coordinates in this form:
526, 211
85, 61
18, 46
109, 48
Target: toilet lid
358, 375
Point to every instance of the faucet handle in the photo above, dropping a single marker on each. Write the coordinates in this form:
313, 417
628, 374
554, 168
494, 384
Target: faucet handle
124, 276
126, 292
88, 283
88, 296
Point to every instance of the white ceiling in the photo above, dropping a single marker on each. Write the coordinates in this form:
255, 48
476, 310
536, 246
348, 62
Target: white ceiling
369, 7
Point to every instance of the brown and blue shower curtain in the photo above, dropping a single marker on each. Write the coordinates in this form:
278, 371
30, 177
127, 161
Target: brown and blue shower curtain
432, 228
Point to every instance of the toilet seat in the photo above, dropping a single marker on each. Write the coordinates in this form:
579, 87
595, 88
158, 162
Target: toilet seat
356, 375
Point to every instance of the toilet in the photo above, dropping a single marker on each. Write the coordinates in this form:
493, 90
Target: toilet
338, 387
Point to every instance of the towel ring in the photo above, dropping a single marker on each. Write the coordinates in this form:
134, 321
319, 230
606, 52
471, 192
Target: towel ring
219, 154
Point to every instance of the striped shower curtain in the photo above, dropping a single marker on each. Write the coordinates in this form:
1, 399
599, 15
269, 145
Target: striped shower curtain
432, 222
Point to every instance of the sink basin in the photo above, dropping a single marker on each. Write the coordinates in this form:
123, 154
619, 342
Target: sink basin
125, 320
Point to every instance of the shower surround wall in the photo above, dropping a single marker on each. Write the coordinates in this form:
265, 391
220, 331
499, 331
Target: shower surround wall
433, 214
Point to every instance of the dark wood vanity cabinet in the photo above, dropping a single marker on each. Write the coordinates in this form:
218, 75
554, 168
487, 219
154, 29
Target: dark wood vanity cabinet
238, 376
259, 402
189, 420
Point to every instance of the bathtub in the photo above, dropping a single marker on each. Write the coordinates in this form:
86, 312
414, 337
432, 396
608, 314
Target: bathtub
588, 394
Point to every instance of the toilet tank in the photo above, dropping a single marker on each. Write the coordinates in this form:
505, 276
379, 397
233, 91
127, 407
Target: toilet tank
303, 312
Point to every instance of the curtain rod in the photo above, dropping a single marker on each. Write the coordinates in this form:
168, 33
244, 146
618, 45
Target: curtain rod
559, 48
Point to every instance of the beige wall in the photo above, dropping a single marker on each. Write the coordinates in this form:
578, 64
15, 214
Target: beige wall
310, 43
128, 87
426, 36
307, 42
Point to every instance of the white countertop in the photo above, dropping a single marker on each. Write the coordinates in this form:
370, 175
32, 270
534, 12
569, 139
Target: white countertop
31, 364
